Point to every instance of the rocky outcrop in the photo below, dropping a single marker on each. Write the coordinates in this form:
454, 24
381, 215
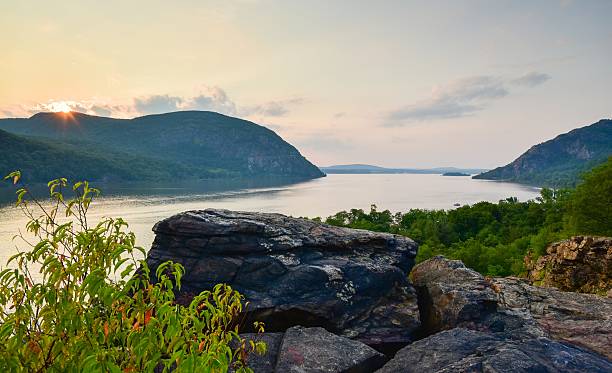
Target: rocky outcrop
464, 350
328, 295
582, 264
451, 295
297, 272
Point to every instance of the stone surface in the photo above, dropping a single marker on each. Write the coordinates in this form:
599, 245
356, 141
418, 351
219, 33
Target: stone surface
296, 271
582, 263
582, 319
452, 295
317, 350
464, 350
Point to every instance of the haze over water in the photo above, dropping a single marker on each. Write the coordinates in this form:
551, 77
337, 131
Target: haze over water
143, 206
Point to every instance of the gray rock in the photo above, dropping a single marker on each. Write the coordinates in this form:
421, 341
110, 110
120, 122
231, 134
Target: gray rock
296, 271
582, 319
464, 350
451, 295
305, 350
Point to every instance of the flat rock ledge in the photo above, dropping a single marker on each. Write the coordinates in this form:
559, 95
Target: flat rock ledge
297, 272
451, 296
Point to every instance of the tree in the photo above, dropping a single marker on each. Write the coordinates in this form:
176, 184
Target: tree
92, 306
591, 204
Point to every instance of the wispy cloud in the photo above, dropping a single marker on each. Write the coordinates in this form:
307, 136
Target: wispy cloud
460, 98
532, 79
272, 108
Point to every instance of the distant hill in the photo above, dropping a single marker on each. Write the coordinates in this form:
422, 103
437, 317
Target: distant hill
560, 161
188, 144
370, 169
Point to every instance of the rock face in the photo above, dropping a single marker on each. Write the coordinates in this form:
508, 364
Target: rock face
297, 272
451, 295
464, 350
582, 264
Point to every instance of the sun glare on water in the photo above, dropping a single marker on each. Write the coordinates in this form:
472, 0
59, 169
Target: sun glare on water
59, 107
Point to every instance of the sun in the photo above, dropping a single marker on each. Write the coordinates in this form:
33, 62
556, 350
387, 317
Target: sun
59, 107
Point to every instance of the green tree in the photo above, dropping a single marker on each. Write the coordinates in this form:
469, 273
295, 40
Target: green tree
591, 203
80, 300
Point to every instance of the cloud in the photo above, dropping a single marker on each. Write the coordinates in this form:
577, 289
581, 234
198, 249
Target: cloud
208, 98
102, 111
460, 98
532, 79
272, 108
156, 104
213, 99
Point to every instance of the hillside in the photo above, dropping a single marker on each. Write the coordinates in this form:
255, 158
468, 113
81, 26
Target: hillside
42, 161
189, 144
560, 161
370, 169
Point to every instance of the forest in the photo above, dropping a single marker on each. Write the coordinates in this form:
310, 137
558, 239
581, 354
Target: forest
494, 238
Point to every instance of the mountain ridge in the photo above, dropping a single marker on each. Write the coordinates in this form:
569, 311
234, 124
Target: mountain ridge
359, 168
560, 161
192, 144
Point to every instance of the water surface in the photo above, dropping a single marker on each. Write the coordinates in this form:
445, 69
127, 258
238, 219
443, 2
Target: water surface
143, 205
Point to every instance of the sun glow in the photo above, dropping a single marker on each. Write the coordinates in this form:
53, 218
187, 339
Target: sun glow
59, 107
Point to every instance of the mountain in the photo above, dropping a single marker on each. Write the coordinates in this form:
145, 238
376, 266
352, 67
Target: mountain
560, 161
370, 169
186, 144
43, 161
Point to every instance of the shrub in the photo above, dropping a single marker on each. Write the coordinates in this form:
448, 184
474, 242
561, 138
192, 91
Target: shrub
79, 299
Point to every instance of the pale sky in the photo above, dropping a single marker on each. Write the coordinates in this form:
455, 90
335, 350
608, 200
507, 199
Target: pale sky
392, 83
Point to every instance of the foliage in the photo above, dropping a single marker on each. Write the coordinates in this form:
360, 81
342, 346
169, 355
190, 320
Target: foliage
92, 306
591, 208
494, 238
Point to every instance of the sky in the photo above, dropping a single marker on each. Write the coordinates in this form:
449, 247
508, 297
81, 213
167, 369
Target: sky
469, 83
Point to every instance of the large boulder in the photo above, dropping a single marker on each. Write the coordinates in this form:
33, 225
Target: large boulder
297, 272
317, 350
451, 295
306, 350
582, 264
464, 350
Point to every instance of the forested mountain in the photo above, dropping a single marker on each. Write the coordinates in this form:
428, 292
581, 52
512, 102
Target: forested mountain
560, 161
189, 144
